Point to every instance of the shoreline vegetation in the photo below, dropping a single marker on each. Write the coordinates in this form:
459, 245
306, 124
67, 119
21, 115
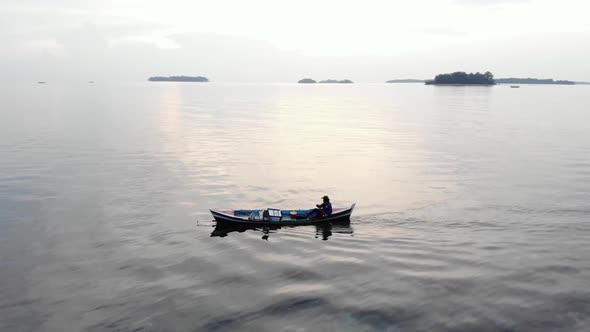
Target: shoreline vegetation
178, 79
513, 80
406, 80
336, 81
306, 81
311, 81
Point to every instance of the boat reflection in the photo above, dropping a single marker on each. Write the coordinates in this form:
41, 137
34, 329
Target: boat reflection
323, 231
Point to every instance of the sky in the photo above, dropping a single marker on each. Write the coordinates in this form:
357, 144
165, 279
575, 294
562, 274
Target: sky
283, 41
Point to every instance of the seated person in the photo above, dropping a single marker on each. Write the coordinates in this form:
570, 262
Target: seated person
323, 210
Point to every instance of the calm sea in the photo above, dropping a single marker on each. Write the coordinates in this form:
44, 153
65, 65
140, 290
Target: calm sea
473, 207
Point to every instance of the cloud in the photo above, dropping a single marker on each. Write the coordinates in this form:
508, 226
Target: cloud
24, 22
75, 42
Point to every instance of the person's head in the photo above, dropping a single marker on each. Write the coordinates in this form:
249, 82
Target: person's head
326, 199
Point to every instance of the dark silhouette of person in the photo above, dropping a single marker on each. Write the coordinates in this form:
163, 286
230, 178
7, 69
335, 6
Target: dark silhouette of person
322, 210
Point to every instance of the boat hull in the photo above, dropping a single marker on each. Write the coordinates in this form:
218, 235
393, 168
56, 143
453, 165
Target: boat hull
225, 218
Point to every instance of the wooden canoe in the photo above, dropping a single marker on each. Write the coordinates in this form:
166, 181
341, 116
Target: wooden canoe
258, 218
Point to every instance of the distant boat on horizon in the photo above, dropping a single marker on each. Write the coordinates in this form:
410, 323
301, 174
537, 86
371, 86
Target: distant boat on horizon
515, 86
41, 82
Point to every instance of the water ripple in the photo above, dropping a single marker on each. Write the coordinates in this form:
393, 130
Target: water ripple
472, 208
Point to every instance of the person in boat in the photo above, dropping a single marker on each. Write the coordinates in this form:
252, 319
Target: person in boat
322, 210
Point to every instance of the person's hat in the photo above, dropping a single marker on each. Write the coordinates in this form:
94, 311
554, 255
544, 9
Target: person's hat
326, 197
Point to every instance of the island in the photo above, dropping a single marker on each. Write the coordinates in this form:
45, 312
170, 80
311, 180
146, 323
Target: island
178, 79
406, 80
336, 81
513, 80
306, 81
463, 78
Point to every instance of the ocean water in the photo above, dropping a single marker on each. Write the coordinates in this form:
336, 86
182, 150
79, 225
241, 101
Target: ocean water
473, 207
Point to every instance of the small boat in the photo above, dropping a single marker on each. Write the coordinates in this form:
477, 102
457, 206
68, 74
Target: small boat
515, 86
277, 217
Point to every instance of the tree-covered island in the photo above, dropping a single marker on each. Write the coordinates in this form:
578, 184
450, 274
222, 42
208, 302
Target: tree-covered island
178, 79
463, 78
309, 80
513, 80
336, 81
406, 80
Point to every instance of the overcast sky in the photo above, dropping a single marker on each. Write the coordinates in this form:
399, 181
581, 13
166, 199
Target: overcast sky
282, 41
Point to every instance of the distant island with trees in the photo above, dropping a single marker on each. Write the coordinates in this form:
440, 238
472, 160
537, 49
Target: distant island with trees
178, 79
532, 81
487, 78
463, 78
336, 81
306, 81
406, 80
309, 80
456, 78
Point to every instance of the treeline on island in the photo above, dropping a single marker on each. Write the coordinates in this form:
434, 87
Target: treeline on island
532, 81
456, 78
405, 80
487, 78
309, 80
178, 79
463, 78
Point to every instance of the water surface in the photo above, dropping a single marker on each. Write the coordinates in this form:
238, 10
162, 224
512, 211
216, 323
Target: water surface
472, 207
